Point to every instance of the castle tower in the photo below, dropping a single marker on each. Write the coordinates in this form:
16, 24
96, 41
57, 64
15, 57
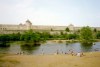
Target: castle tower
28, 25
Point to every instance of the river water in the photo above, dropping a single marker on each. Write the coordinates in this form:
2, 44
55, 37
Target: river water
51, 47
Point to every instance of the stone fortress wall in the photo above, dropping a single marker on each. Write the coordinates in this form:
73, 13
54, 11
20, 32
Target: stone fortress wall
8, 29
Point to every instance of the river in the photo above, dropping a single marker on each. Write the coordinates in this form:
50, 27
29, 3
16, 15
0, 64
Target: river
50, 47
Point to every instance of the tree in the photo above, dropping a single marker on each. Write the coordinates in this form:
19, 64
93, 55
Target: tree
28, 35
44, 36
51, 29
95, 30
71, 36
98, 35
31, 38
86, 35
61, 33
67, 29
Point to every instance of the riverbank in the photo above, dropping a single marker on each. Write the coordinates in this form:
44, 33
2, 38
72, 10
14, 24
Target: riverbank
89, 60
58, 41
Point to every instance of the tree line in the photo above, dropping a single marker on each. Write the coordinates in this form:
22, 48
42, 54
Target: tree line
85, 34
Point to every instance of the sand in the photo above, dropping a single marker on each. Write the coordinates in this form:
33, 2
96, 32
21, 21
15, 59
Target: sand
91, 59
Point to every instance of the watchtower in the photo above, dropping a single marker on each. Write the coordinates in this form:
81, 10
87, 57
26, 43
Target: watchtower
28, 24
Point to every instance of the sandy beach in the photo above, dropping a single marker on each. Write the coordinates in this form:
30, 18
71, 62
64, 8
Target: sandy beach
89, 60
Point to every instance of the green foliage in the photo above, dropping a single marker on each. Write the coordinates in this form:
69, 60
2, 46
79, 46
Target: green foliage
44, 35
14, 37
61, 33
30, 36
95, 30
4, 38
51, 29
86, 34
10, 37
72, 36
98, 35
4, 44
67, 29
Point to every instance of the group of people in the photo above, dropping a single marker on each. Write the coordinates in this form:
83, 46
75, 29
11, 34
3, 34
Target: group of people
20, 53
80, 54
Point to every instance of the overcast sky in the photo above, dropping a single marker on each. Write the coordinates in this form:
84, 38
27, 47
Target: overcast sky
51, 12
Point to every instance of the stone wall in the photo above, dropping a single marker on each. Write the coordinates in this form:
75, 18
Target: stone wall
6, 29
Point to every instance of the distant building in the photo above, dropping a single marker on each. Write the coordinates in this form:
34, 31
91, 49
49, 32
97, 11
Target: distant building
8, 29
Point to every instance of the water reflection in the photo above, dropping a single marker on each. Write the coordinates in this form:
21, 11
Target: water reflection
28, 49
4, 44
4, 49
86, 47
50, 48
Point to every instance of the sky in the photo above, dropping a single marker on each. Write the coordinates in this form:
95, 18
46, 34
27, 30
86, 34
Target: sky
51, 12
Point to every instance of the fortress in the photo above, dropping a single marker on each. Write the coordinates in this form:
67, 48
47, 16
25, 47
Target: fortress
8, 29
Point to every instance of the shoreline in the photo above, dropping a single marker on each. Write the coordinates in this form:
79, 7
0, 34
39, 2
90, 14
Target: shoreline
96, 40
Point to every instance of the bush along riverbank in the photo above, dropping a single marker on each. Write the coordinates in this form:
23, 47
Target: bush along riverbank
85, 35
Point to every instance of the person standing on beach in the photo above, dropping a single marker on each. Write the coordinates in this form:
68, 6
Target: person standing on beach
79, 54
42, 52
